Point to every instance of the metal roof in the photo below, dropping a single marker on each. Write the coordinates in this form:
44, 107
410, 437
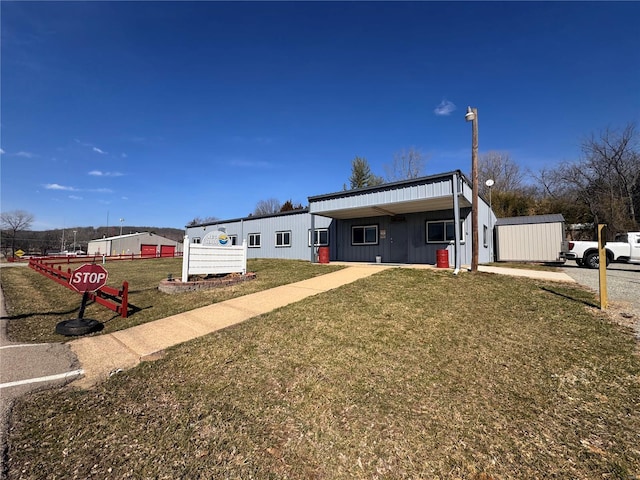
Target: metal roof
421, 194
530, 219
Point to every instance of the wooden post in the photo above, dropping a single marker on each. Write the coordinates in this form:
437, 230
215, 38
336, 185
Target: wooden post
602, 259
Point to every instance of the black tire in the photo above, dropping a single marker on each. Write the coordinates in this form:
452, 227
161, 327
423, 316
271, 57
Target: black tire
77, 327
593, 260
579, 262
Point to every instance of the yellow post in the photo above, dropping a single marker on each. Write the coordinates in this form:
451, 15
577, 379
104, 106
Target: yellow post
602, 258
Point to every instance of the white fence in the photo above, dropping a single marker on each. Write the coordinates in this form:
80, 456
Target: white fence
210, 260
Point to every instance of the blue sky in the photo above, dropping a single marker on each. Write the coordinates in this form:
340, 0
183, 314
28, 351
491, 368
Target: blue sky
159, 112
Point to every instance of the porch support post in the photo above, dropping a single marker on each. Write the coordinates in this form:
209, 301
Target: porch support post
313, 237
456, 221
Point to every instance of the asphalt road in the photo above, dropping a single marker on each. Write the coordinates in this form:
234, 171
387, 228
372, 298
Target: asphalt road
27, 368
623, 287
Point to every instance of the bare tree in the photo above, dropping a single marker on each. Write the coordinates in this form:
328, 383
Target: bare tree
200, 221
14, 222
604, 185
267, 207
407, 164
499, 167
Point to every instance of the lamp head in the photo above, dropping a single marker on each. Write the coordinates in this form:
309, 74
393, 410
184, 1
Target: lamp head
489, 183
470, 116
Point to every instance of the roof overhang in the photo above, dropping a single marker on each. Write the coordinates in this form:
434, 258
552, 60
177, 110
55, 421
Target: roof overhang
419, 195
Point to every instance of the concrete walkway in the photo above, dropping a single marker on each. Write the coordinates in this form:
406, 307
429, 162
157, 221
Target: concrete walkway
522, 272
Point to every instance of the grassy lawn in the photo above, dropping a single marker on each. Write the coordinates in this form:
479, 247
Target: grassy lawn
36, 304
405, 374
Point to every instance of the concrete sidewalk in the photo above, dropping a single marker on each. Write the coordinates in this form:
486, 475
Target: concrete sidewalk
522, 272
101, 355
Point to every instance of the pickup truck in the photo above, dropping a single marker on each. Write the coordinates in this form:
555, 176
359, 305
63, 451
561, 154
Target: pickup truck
626, 248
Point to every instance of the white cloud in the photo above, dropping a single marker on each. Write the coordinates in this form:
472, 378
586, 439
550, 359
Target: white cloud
55, 186
99, 173
101, 190
1, 151
75, 197
444, 108
102, 152
25, 154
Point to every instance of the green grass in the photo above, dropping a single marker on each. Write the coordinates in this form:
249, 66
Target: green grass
405, 374
36, 304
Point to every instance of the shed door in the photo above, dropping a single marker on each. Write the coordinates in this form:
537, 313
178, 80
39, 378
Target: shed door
167, 250
398, 241
148, 250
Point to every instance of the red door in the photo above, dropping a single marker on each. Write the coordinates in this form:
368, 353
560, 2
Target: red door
167, 250
148, 250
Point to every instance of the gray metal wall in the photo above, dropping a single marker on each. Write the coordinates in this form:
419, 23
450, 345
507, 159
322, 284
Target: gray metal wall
298, 224
410, 229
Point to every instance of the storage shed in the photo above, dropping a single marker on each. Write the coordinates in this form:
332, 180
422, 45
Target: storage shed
145, 244
535, 238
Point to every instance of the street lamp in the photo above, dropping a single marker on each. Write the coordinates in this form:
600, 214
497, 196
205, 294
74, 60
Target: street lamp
489, 183
472, 116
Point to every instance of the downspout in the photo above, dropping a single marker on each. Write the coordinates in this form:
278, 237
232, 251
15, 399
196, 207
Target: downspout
456, 221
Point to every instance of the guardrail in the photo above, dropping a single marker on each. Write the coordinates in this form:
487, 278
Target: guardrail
114, 299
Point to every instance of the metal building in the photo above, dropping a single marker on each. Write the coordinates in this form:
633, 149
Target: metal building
145, 244
535, 238
400, 222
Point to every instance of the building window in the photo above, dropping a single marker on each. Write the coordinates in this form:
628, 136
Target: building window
254, 240
234, 239
485, 235
443, 231
364, 235
320, 237
195, 240
283, 239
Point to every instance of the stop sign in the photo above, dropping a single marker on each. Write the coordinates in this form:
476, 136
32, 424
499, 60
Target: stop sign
88, 278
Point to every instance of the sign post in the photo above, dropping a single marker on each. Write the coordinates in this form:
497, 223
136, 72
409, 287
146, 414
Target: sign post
602, 258
84, 279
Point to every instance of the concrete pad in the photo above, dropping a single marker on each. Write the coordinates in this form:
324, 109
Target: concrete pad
99, 356
521, 272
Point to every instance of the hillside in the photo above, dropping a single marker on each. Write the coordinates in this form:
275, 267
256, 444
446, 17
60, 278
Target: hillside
47, 241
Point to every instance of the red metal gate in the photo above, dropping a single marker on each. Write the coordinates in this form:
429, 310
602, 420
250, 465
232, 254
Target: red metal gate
167, 250
148, 250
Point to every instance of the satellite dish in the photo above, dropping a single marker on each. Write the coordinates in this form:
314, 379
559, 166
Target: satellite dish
489, 183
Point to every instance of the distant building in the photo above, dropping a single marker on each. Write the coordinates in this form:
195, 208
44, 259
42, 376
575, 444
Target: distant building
145, 244
400, 222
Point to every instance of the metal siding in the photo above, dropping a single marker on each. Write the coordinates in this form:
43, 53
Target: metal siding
297, 224
529, 243
436, 189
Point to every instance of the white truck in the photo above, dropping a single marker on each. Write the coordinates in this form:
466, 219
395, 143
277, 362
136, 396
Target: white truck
626, 248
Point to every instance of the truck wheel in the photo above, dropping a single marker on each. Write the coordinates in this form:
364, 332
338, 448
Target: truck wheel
593, 260
579, 262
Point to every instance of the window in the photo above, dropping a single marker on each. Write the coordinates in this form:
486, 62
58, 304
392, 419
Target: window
320, 237
283, 239
234, 239
364, 235
196, 240
485, 235
443, 231
254, 240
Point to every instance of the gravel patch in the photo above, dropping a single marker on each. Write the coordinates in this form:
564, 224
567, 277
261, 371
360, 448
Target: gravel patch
623, 290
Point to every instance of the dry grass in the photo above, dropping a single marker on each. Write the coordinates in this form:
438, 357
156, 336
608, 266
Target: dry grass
406, 374
36, 304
